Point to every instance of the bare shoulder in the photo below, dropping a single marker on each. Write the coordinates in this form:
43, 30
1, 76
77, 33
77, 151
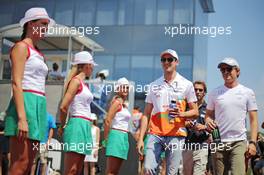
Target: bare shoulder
73, 86
75, 81
20, 50
21, 47
117, 99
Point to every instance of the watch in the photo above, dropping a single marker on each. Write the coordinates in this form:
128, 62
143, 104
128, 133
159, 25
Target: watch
252, 142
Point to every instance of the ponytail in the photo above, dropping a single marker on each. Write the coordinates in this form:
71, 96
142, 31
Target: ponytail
23, 36
73, 72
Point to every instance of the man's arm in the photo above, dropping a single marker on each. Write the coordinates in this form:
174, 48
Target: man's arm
144, 127
192, 112
209, 122
253, 117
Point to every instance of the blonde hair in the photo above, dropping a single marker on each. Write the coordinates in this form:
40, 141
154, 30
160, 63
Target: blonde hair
75, 70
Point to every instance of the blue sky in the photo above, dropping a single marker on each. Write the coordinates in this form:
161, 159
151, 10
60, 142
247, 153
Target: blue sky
245, 44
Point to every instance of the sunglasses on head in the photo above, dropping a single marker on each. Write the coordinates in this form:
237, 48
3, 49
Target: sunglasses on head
170, 59
226, 69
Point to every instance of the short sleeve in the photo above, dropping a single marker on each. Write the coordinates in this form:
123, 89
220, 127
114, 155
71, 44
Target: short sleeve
149, 98
211, 102
251, 101
52, 123
190, 94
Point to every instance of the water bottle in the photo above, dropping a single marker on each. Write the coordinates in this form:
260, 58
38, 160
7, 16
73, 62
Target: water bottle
173, 105
216, 135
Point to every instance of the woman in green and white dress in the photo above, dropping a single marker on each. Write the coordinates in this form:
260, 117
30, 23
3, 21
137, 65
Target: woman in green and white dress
26, 115
77, 137
116, 128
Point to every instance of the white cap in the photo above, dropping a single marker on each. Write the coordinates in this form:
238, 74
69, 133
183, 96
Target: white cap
229, 61
36, 13
170, 52
122, 81
93, 116
105, 72
83, 57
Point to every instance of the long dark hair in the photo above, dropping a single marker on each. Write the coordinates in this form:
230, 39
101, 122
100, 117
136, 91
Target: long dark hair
23, 36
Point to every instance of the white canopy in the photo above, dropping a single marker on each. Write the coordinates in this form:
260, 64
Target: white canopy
56, 39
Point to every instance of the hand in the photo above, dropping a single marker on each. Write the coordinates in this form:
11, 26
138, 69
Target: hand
251, 150
210, 124
95, 154
22, 129
60, 131
199, 127
189, 124
210, 139
140, 147
175, 112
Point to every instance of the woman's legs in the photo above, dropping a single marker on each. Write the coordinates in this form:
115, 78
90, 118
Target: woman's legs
73, 163
113, 165
163, 165
141, 166
22, 155
86, 168
92, 168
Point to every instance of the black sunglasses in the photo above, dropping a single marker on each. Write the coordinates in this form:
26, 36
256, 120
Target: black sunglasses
170, 59
227, 69
198, 90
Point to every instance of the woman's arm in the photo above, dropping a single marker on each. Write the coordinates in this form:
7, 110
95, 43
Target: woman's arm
136, 135
67, 99
97, 137
97, 146
114, 107
143, 127
19, 56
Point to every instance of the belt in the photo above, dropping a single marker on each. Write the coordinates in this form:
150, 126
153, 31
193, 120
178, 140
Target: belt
119, 129
33, 91
82, 117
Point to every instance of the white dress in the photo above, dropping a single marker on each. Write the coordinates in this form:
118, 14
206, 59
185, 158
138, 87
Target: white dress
91, 158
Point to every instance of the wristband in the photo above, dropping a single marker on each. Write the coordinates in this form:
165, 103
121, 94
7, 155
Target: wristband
252, 142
